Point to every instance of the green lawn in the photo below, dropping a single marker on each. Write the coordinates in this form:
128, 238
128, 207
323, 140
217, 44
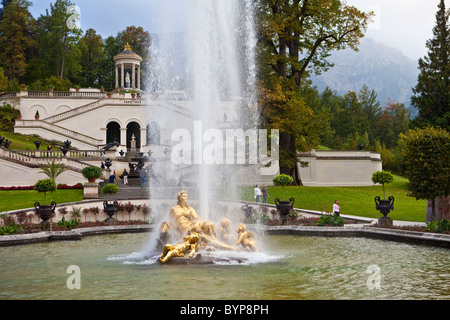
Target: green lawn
16, 200
23, 142
358, 201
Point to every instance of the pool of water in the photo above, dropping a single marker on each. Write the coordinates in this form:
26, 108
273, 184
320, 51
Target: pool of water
289, 267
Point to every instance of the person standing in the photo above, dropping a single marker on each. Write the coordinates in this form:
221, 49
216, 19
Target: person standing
142, 176
336, 208
125, 177
265, 193
112, 178
257, 193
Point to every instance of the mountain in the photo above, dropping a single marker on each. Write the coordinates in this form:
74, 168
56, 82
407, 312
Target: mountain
386, 70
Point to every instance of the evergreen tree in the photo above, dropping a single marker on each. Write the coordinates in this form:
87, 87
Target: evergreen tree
432, 92
58, 48
15, 38
92, 58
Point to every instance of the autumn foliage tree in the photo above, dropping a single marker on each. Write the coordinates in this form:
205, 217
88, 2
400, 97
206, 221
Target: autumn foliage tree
296, 37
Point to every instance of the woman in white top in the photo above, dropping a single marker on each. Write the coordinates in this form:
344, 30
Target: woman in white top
257, 193
336, 207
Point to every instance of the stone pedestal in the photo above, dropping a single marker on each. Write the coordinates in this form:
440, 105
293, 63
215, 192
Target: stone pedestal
111, 222
385, 222
90, 190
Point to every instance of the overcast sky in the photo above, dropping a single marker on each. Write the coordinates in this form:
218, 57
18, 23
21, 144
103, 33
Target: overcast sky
403, 24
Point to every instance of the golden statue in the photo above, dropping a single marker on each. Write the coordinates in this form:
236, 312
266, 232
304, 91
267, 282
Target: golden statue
224, 231
163, 235
208, 237
182, 215
184, 221
190, 245
245, 238
127, 47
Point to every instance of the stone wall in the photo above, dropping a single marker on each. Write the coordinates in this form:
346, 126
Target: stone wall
339, 168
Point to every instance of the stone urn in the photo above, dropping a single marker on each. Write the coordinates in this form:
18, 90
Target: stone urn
284, 207
45, 213
385, 207
110, 209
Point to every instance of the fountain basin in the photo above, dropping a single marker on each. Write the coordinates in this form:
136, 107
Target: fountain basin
292, 268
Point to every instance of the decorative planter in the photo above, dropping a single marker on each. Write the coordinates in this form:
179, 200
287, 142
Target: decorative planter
110, 209
284, 207
385, 207
45, 213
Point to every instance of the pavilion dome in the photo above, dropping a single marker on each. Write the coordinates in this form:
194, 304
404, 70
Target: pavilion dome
127, 53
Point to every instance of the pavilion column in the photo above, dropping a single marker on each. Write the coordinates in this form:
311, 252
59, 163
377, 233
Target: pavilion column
133, 76
117, 76
139, 77
122, 76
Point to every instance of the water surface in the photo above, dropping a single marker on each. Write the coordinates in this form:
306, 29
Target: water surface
289, 267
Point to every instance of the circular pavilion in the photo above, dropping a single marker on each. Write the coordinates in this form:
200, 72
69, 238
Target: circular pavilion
128, 62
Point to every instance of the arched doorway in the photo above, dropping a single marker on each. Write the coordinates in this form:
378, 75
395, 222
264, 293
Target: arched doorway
112, 132
153, 134
133, 128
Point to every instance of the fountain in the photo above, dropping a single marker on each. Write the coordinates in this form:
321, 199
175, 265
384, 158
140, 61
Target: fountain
220, 70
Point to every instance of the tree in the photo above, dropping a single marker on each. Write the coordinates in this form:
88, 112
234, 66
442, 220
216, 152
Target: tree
4, 3
44, 186
432, 92
427, 163
57, 42
53, 169
382, 177
92, 58
137, 38
283, 180
285, 109
295, 38
3, 81
15, 38
394, 121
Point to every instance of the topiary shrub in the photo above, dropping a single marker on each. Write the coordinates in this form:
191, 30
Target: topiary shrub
283, 180
382, 177
110, 189
91, 173
44, 186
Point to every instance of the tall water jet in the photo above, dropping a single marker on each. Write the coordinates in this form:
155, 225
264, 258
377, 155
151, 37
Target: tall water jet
200, 81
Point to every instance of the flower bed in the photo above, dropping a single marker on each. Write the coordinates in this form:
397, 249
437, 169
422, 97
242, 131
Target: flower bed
66, 226
29, 188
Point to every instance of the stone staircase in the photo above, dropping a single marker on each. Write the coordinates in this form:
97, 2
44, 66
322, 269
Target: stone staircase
50, 123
